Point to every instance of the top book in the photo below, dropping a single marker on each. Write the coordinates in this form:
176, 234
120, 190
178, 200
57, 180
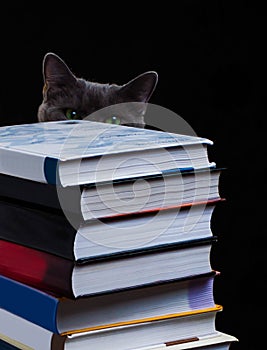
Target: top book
83, 152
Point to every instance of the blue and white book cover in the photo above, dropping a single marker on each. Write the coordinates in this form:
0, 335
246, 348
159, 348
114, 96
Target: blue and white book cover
79, 152
72, 140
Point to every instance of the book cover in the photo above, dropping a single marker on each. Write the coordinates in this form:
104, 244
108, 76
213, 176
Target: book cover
183, 326
61, 276
71, 153
62, 315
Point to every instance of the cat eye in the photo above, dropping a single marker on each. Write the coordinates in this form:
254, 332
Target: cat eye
71, 114
113, 120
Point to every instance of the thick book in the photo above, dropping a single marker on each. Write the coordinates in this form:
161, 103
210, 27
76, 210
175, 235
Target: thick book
66, 316
60, 276
82, 152
17, 330
149, 193
115, 198
56, 234
217, 341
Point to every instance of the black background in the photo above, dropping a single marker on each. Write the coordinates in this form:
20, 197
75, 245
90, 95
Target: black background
211, 61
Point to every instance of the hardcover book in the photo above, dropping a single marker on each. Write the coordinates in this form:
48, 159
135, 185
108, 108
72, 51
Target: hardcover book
82, 152
54, 233
115, 198
60, 276
66, 316
17, 330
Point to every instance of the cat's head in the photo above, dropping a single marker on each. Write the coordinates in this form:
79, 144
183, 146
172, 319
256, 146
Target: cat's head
66, 96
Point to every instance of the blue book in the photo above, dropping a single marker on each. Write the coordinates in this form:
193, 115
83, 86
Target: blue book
133, 306
83, 152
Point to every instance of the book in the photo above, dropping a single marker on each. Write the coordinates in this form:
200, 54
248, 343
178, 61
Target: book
115, 198
66, 316
17, 330
95, 238
217, 341
61, 276
82, 152
149, 193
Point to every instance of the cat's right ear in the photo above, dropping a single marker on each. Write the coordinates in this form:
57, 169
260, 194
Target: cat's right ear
55, 72
140, 88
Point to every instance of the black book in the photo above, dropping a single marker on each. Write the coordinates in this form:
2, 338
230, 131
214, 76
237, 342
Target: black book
114, 198
53, 233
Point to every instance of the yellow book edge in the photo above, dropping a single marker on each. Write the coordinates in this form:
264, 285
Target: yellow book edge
143, 320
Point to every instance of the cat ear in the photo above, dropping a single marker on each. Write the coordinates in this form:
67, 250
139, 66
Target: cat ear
56, 72
140, 88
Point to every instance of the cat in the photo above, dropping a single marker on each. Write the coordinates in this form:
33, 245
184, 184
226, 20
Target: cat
66, 96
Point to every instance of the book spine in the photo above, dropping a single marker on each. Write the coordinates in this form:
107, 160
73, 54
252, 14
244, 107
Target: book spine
23, 334
40, 195
37, 229
23, 165
17, 297
28, 192
51, 170
44, 271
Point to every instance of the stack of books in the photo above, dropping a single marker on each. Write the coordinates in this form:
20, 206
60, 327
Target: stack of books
106, 238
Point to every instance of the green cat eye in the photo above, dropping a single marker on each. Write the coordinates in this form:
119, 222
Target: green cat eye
113, 120
71, 114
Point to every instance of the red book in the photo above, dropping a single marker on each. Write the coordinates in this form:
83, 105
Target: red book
64, 277
35, 268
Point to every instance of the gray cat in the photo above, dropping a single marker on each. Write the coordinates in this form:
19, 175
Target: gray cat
67, 97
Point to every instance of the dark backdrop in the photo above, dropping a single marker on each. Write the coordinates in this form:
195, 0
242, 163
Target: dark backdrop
211, 65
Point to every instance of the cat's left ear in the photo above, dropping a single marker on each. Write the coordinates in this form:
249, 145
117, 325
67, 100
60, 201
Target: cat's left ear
140, 88
56, 73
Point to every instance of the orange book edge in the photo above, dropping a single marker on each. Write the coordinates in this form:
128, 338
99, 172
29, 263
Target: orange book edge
165, 208
144, 320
